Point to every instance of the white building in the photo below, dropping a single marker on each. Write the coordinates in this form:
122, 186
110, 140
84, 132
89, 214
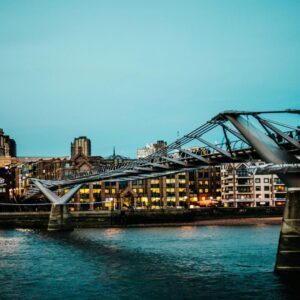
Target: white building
150, 149
239, 188
144, 152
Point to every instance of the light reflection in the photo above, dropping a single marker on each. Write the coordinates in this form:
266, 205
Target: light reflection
112, 232
187, 231
9, 245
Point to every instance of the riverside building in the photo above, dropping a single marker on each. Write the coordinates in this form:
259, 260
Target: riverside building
239, 188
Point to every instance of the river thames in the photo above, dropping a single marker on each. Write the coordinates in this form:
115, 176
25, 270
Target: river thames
188, 262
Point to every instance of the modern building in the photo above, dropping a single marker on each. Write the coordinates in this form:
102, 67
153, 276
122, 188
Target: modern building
81, 144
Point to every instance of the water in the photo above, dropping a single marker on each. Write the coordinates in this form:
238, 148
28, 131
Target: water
213, 262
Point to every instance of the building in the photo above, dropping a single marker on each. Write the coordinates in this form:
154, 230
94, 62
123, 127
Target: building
117, 159
8, 149
186, 189
239, 188
146, 151
150, 149
81, 144
7, 184
8, 146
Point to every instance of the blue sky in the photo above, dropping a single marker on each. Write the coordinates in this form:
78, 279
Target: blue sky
126, 73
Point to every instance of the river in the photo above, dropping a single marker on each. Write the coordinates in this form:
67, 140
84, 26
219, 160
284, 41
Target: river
188, 262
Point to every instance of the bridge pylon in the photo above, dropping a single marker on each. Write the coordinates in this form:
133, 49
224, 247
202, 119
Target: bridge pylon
59, 219
288, 253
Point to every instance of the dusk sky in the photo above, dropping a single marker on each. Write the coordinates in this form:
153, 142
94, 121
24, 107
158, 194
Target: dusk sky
126, 73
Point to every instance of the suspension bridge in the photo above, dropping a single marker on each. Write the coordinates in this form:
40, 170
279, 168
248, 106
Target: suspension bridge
247, 135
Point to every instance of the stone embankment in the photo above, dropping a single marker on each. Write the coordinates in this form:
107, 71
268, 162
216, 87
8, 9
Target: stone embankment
157, 217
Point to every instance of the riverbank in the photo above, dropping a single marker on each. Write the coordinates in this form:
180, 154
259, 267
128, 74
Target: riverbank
147, 218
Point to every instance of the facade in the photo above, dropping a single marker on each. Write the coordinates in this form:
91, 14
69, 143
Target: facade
81, 144
146, 151
8, 149
8, 146
183, 190
150, 149
239, 188
7, 184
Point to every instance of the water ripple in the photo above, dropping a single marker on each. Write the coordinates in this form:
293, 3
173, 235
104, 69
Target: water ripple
142, 263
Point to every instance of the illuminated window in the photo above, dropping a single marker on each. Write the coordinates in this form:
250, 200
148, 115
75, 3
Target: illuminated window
170, 180
154, 181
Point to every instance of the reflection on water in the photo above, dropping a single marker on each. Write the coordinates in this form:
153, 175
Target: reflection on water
143, 263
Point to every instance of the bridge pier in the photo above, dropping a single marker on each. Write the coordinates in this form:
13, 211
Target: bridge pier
59, 219
288, 254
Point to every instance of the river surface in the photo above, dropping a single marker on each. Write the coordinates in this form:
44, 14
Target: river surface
212, 262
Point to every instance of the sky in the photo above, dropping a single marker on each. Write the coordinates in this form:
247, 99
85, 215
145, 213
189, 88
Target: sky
127, 73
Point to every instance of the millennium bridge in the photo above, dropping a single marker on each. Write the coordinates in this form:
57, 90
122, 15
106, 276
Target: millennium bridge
247, 135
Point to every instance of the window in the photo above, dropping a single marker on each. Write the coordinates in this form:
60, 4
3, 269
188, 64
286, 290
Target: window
242, 172
258, 188
266, 180
170, 180
257, 180
266, 188
267, 196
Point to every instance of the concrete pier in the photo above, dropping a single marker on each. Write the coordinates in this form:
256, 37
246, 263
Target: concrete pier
59, 218
288, 254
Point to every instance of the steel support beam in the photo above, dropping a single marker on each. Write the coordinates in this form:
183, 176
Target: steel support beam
281, 133
144, 169
288, 254
198, 157
237, 134
59, 218
161, 166
176, 161
218, 149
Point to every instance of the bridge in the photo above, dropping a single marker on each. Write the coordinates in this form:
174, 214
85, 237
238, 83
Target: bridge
247, 136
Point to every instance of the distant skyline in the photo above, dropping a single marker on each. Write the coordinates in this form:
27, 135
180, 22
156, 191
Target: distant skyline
127, 73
